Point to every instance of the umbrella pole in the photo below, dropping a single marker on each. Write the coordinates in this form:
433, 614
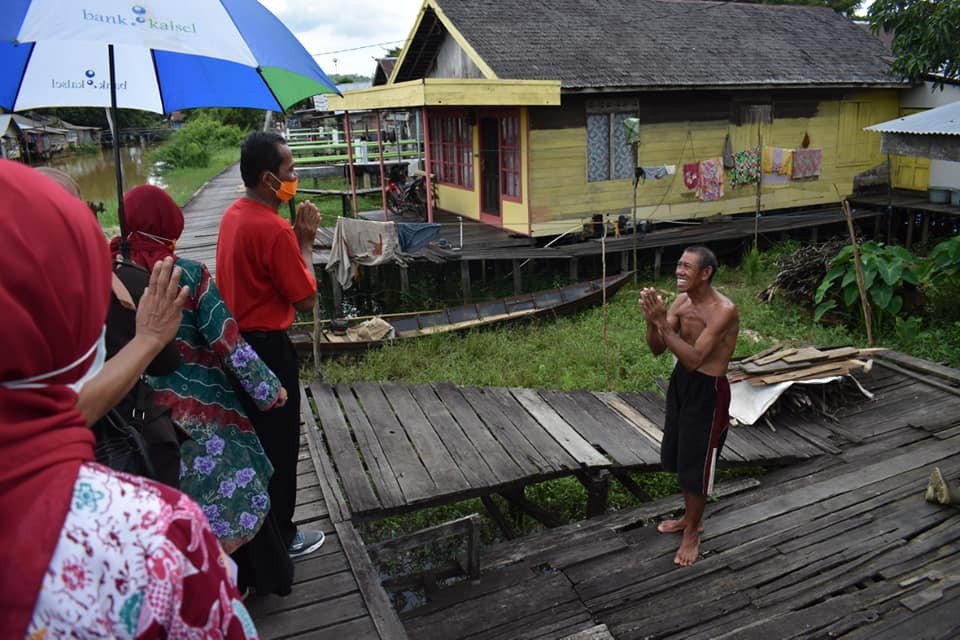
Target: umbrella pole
115, 132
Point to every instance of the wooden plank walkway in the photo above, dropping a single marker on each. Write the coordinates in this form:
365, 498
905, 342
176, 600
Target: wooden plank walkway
841, 545
336, 591
395, 447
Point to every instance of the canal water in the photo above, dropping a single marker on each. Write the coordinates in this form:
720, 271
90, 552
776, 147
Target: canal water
96, 174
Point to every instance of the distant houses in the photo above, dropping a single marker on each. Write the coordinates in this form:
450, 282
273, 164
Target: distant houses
37, 138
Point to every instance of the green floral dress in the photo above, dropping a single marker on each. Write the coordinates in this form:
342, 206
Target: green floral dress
223, 466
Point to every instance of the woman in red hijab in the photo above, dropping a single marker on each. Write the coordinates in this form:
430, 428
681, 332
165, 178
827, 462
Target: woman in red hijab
223, 464
85, 551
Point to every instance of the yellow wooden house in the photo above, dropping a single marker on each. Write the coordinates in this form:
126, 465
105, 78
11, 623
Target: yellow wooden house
523, 104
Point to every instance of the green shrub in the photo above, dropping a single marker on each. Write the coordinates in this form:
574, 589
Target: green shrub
193, 145
888, 272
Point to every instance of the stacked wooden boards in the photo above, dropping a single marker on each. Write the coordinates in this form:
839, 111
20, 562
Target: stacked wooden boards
783, 364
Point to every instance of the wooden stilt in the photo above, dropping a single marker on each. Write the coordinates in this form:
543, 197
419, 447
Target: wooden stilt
517, 280
630, 485
597, 483
535, 511
505, 527
465, 280
404, 280
574, 268
657, 258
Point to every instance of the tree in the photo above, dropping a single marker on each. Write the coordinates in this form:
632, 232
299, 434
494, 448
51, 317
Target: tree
846, 7
926, 35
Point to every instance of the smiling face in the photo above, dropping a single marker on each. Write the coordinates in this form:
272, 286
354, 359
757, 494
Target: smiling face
689, 273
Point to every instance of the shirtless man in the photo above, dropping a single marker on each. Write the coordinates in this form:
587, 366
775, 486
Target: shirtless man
700, 329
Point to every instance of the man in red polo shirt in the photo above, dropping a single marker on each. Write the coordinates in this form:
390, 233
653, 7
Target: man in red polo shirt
265, 274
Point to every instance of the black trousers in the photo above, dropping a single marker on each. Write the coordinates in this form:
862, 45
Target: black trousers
279, 428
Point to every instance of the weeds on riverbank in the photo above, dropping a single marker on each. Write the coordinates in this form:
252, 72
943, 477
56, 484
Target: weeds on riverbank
181, 184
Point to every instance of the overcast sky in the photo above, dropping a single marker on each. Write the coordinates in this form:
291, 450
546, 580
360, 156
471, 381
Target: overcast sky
344, 33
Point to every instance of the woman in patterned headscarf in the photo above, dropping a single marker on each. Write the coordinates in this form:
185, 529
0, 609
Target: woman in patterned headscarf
224, 466
85, 551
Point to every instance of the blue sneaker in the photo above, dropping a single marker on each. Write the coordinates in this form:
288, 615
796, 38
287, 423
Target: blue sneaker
305, 542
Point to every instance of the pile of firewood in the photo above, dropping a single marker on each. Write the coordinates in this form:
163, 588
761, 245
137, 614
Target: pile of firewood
779, 364
801, 272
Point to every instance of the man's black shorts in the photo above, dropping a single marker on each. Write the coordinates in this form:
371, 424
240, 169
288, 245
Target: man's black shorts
695, 428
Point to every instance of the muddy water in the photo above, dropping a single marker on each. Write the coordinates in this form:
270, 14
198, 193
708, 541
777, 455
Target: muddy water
96, 175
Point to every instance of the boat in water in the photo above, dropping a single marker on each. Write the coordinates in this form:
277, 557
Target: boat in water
352, 335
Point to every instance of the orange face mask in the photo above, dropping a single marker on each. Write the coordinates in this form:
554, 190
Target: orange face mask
287, 189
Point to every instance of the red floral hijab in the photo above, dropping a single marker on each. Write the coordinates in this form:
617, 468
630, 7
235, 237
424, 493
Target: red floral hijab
54, 290
154, 223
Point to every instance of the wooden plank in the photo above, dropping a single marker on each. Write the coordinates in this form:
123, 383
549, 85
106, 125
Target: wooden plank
375, 460
410, 471
356, 629
559, 430
633, 416
952, 376
776, 355
535, 434
611, 442
823, 371
435, 456
312, 617
377, 603
496, 457
471, 464
812, 354
519, 448
352, 476
760, 354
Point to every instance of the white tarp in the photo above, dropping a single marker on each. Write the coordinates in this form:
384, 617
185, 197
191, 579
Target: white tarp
748, 403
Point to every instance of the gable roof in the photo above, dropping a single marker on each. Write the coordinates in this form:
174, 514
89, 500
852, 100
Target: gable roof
383, 70
593, 44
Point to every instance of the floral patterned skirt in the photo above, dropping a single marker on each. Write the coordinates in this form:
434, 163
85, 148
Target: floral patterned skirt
226, 471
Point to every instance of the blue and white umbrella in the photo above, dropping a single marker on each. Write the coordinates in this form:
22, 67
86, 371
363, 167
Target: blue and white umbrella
170, 55
161, 56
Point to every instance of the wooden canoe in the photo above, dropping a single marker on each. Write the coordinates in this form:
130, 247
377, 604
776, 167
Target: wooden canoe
537, 304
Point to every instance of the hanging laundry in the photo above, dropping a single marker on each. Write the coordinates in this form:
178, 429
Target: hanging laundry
807, 163
777, 166
711, 179
414, 236
357, 242
728, 161
746, 168
691, 175
656, 172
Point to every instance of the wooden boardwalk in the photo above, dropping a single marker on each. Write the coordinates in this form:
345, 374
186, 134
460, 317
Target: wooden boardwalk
396, 447
336, 591
842, 545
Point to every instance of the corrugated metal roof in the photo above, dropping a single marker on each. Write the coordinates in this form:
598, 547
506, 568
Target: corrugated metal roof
4, 123
943, 121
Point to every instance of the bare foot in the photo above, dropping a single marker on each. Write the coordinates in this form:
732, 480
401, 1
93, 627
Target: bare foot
674, 526
689, 549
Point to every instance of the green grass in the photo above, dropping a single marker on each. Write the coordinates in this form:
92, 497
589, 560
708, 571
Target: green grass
181, 184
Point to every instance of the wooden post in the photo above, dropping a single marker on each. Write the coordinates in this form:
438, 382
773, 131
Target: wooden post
597, 483
483, 269
858, 267
925, 230
657, 258
353, 177
517, 281
465, 280
505, 527
337, 297
624, 262
813, 234
910, 218
404, 280
574, 268
383, 174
